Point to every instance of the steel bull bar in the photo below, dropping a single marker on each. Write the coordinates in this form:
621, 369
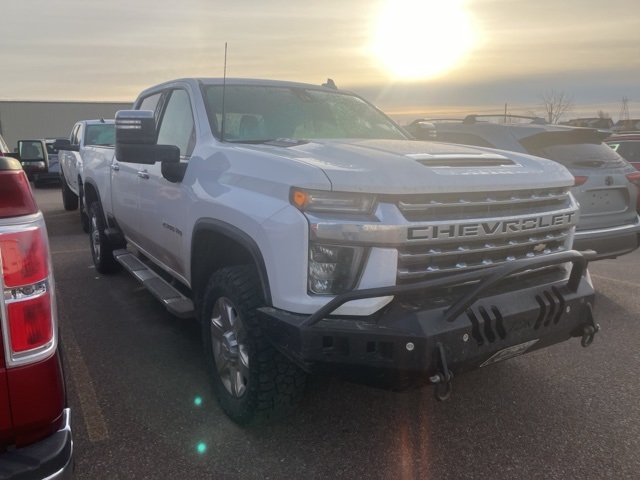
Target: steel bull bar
296, 336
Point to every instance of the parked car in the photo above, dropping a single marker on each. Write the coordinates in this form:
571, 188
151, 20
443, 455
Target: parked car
52, 175
606, 186
35, 422
33, 156
627, 145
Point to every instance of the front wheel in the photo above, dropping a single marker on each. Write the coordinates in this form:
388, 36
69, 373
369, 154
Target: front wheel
251, 379
101, 248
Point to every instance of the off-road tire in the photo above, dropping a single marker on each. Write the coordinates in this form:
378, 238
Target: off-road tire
69, 199
101, 248
273, 385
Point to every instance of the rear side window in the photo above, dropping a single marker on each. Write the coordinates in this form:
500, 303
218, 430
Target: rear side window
3, 146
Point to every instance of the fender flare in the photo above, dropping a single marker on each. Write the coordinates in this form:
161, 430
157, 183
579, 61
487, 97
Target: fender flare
237, 235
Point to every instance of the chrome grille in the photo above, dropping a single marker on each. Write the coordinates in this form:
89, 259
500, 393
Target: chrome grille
473, 205
430, 257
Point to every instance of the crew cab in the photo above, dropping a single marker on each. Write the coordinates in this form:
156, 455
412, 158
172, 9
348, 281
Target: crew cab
35, 428
307, 233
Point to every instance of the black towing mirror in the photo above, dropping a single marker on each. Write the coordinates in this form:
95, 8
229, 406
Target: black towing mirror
136, 139
135, 127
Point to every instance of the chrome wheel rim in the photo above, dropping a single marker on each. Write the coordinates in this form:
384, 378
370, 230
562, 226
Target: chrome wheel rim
230, 352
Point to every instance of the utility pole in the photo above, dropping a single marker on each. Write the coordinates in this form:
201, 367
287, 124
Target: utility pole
624, 110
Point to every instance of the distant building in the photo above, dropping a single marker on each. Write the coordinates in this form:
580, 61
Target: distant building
32, 119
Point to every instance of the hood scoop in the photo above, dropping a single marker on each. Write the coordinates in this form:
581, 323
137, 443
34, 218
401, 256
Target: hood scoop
462, 161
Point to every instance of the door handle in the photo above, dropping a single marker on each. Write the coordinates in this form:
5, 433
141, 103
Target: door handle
115, 167
143, 174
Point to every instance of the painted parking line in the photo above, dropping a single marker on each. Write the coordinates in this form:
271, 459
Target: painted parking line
77, 368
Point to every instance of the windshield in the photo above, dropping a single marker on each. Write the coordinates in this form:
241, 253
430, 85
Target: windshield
102, 134
259, 113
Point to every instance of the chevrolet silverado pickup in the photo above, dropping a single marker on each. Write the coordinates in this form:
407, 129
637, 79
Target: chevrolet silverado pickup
307, 232
83, 133
35, 428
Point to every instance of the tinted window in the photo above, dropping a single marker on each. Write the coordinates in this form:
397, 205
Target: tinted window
100, 134
177, 125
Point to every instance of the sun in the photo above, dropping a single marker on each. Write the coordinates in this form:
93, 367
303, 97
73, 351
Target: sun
421, 39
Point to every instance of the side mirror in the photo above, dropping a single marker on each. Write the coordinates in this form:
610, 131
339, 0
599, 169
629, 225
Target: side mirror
135, 127
32, 150
61, 144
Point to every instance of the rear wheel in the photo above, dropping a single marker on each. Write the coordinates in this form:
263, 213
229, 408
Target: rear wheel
251, 379
69, 199
101, 248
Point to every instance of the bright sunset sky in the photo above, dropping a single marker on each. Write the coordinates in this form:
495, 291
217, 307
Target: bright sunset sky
410, 57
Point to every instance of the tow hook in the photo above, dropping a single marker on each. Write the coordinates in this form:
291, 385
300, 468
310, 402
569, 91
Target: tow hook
442, 378
589, 331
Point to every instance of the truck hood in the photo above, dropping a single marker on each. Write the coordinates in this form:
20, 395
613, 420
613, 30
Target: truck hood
406, 166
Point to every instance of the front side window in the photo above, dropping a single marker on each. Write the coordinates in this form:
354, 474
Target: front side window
260, 113
177, 125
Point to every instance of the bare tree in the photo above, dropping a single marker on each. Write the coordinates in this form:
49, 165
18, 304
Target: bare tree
603, 114
555, 104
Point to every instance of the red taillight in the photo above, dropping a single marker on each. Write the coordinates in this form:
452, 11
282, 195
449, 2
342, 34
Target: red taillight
27, 283
634, 178
16, 198
577, 181
30, 324
24, 257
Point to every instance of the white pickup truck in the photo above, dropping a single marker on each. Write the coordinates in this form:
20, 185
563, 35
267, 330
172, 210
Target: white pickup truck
83, 133
307, 232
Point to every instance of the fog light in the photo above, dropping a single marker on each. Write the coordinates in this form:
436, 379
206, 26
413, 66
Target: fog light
332, 269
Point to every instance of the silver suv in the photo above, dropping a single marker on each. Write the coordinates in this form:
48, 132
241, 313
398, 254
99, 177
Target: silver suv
606, 186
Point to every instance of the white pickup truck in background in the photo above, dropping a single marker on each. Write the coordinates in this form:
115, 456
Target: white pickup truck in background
83, 133
307, 232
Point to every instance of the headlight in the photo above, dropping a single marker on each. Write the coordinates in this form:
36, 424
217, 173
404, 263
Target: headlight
332, 269
331, 202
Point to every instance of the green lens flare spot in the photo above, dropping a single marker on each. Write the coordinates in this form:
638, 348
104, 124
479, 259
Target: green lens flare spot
197, 401
202, 447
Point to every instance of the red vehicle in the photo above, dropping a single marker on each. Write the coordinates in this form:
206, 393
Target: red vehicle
35, 427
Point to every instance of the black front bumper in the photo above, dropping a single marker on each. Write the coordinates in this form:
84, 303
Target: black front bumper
503, 314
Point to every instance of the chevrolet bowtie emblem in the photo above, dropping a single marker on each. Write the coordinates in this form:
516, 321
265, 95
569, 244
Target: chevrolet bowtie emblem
540, 247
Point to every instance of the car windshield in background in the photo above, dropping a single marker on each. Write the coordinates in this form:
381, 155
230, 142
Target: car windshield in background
260, 113
101, 134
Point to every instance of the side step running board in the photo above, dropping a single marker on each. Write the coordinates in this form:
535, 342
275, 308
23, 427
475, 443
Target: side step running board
173, 300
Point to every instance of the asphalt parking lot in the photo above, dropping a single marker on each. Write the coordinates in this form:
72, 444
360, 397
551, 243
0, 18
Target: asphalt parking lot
142, 406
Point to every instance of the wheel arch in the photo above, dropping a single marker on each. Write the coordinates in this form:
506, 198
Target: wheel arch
215, 245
